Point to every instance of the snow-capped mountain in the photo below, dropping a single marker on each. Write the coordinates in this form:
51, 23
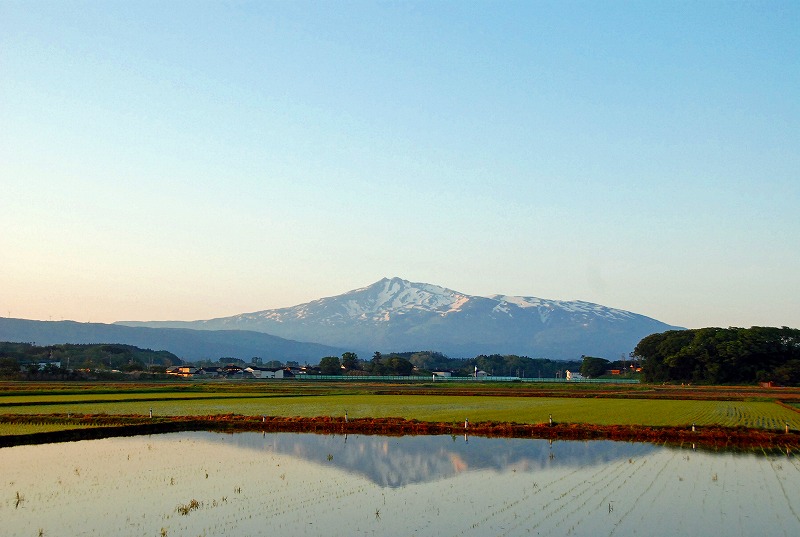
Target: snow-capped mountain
398, 315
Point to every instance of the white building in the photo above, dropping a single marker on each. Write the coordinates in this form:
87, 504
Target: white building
263, 372
574, 375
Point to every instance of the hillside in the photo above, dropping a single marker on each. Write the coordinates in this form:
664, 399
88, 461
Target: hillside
187, 344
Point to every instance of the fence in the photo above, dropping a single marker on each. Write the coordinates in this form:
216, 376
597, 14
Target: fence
419, 378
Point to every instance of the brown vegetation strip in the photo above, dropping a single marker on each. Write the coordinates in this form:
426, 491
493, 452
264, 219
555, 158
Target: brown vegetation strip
103, 425
494, 389
789, 406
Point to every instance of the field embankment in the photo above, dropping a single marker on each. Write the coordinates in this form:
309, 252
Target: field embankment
82, 427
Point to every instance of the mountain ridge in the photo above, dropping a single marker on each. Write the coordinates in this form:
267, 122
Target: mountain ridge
394, 314
190, 345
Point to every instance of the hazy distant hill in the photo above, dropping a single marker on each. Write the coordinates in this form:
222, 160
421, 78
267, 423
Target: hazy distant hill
398, 315
187, 344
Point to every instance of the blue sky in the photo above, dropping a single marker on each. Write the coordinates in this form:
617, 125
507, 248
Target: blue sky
188, 160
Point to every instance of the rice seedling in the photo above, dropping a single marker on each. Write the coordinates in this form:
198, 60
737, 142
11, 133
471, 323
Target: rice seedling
185, 509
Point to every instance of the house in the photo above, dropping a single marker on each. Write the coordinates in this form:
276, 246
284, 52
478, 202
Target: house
209, 372
232, 371
445, 374
574, 375
263, 372
182, 371
40, 366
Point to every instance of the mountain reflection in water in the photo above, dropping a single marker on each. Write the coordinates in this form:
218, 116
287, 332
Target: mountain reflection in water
274, 485
400, 461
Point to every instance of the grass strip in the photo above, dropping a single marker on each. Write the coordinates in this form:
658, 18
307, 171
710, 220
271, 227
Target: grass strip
452, 408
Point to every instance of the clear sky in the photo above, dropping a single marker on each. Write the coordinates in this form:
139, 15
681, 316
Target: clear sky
189, 160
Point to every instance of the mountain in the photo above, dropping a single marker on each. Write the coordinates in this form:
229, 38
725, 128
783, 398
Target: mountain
189, 345
398, 315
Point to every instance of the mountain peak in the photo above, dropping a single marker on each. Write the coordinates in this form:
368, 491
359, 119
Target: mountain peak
394, 314
396, 295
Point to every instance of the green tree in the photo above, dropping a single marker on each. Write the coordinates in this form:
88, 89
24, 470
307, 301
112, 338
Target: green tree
376, 364
593, 367
788, 373
398, 365
9, 368
330, 365
350, 360
721, 355
133, 365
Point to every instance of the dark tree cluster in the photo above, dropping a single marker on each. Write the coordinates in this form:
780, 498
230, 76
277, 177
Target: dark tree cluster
380, 364
425, 362
722, 355
593, 367
511, 365
59, 361
394, 364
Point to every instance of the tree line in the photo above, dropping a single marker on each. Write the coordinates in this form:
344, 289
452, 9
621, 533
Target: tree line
426, 362
722, 355
61, 361
704, 355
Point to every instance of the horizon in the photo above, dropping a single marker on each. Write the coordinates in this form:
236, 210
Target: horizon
357, 289
189, 161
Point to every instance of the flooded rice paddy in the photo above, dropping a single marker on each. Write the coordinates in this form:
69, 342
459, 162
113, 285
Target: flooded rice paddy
204, 484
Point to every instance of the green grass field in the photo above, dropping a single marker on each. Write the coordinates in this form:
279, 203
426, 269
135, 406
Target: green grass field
30, 428
444, 408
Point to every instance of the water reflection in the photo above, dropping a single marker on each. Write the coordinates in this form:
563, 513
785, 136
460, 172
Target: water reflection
195, 484
400, 461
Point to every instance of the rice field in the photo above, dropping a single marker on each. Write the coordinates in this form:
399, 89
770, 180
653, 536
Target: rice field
438, 408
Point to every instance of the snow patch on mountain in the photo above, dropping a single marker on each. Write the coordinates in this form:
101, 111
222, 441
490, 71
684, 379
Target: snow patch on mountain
396, 296
502, 308
457, 304
519, 301
547, 307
